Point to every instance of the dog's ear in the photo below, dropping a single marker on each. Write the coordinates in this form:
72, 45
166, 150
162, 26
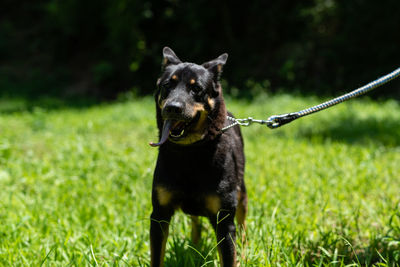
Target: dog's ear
169, 57
216, 65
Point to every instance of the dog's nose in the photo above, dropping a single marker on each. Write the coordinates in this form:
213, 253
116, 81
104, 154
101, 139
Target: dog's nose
174, 107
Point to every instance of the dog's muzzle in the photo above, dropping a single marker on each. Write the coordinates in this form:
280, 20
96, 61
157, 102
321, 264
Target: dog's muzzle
176, 127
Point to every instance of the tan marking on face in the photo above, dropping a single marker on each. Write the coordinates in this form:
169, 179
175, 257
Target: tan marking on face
211, 102
219, 67
197, 107
213, 203
174, 77
192, 81
163, 195
201, 123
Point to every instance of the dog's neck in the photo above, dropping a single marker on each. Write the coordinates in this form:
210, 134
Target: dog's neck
217, 117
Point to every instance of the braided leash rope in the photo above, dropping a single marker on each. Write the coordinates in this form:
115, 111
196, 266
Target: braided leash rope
276, 121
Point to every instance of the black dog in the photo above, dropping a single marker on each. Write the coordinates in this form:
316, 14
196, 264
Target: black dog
199, 168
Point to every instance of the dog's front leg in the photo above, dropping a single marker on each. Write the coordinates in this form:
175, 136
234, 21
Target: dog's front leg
159, 225
225, 230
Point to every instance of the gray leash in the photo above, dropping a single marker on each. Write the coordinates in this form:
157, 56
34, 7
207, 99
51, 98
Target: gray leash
276, 121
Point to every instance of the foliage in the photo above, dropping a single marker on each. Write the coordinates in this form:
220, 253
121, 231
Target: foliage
100, 48
323, 191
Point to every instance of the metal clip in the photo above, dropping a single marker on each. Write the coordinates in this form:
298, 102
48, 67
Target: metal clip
279, 120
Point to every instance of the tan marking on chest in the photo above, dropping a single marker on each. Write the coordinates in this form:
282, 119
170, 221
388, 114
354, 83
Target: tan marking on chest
213, 203
163, 195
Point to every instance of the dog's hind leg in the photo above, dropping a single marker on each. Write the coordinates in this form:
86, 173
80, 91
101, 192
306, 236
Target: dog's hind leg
241, 210
196, 229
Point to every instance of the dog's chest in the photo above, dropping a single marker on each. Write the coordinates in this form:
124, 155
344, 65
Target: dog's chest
194, 180
191, 167
192, 185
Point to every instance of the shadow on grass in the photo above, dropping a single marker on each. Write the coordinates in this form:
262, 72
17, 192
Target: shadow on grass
353, 130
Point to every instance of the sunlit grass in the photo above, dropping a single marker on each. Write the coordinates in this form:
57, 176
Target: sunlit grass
323, 190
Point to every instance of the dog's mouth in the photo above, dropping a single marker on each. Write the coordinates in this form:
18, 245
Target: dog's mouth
175, 130
178, 129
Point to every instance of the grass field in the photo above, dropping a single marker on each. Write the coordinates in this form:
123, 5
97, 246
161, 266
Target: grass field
323, 190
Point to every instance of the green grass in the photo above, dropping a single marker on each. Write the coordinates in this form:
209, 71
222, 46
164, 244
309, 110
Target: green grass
323, 190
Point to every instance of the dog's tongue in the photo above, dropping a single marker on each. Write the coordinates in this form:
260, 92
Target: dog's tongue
164, 135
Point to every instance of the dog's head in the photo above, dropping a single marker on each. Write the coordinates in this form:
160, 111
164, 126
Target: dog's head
189, 101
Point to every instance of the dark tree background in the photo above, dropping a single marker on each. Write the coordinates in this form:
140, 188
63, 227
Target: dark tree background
99, 48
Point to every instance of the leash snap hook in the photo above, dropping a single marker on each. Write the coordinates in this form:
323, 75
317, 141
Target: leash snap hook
279, 120
273, 122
